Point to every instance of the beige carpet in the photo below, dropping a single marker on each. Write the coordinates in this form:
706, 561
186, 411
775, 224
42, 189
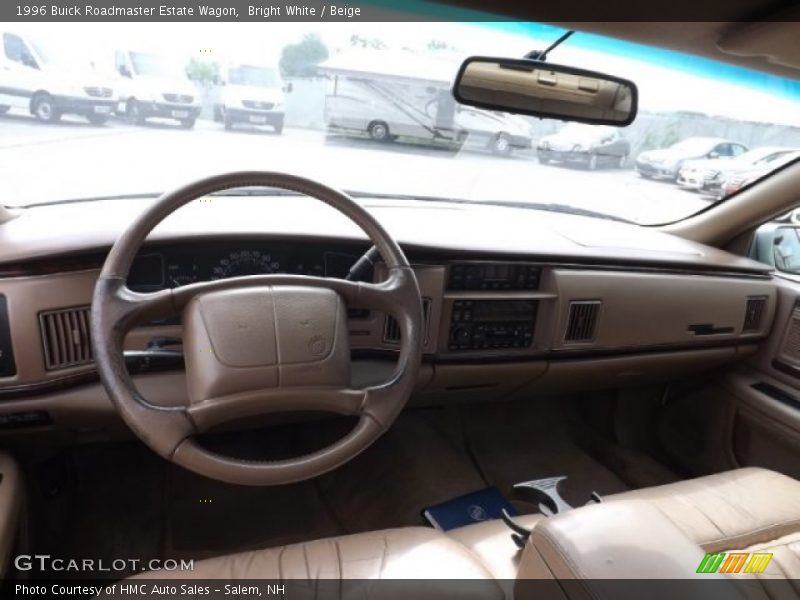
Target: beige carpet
118, 500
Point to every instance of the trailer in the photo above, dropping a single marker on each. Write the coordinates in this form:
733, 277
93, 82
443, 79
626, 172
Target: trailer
390, 96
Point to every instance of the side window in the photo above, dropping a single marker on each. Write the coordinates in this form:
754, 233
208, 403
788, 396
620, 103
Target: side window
738, 149
723, 150
778, 244
120, 64
13, 47
16, 50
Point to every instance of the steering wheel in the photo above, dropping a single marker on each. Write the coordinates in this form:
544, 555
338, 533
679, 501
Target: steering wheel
257, 344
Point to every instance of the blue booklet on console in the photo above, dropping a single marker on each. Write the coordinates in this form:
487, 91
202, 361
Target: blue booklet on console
483, 505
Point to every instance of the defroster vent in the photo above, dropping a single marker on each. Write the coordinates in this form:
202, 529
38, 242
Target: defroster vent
582, 321
65, 337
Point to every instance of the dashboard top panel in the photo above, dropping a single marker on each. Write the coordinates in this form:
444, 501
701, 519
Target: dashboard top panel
466, 229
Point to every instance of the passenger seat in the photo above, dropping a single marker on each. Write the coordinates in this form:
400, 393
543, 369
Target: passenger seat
747, 509
665, 533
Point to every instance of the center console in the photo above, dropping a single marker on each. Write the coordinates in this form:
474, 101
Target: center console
492, 324
491, 307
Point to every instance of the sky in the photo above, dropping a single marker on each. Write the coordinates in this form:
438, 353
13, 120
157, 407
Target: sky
667, 81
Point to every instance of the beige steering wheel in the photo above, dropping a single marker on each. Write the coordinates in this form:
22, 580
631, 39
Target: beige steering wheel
257, 344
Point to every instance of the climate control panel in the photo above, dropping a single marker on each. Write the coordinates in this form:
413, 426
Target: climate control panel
493, 277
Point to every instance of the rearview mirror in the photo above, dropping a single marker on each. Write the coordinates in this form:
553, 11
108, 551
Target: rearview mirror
545, 90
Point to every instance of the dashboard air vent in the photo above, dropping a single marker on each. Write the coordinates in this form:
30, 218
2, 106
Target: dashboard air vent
582, 321
391, 330
754, 313
65, 337
791, 343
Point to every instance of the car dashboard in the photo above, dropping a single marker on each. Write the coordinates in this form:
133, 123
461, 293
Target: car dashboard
500, 322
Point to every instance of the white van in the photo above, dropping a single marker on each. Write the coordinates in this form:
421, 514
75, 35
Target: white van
250, 93
153, 85
49, 80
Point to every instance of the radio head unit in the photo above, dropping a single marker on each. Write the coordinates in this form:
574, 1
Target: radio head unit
492, 324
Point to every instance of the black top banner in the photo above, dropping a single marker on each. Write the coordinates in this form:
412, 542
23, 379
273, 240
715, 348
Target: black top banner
232, 11
387, 10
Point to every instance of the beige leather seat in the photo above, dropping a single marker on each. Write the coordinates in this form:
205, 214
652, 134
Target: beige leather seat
665, 533
405, 553
747, 509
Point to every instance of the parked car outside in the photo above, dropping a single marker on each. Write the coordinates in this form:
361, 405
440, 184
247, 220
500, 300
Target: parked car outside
153, 85
49, 80
589, 145
707, 175
666, 163
736, 180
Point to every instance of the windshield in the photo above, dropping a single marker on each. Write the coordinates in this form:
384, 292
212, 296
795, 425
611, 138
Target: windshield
60, 55
693, 145
257, 76
580, 130
775, 156
153, 65
368, 108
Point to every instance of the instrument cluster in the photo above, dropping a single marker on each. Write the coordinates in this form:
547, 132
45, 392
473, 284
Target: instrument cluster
173, 265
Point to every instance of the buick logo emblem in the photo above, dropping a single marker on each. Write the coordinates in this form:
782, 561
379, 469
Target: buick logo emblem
477, 513
317, 345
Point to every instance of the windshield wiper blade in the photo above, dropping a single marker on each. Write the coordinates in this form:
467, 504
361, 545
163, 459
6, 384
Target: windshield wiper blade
551, 207
386, 196
142, 196
253, 191
564, 208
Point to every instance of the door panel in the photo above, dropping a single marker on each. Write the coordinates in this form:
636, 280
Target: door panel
766, 392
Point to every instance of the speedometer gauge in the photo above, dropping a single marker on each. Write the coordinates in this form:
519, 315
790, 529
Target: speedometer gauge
244, 262
181, 271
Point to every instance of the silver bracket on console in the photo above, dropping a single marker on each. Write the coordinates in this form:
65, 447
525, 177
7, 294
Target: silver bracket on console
544, 494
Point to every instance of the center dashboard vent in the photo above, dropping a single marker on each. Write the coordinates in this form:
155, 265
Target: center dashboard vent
65, 337
391, 331
754, 313
582, 321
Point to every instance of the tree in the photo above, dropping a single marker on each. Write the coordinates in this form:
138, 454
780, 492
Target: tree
359, 41
202, 71
438, 45
301, 59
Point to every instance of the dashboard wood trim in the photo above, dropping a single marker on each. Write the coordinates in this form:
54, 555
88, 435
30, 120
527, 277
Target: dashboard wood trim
68, 382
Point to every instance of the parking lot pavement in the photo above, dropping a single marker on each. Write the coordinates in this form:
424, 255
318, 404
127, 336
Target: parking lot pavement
21, 131
73, 159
